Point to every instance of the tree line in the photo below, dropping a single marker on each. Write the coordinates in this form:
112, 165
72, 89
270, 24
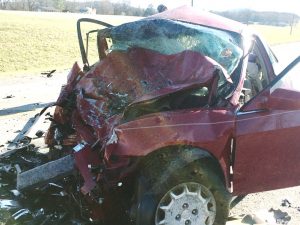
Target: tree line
123, 7
267, 18
105, 7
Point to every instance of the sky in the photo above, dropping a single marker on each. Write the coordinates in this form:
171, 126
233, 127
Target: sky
220, 5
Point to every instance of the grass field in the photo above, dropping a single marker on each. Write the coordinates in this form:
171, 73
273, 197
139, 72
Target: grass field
31, 41
35, 42
278, 35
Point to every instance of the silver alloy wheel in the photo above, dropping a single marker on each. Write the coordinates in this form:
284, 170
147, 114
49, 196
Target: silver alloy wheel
187, 203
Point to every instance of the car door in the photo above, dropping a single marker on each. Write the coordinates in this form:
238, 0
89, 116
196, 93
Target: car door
267, 140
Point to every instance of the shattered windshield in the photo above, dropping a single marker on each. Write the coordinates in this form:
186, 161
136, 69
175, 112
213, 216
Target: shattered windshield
170, 37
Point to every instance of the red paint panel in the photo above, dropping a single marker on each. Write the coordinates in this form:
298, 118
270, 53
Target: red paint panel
207, 129
267, 151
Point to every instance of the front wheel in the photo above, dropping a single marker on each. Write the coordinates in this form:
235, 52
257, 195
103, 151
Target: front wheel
187, 203
193, 195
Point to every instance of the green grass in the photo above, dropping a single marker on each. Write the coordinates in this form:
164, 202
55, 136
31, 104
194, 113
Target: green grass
278, 35
35, 42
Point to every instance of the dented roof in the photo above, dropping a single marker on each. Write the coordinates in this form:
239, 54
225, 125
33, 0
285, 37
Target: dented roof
191, 15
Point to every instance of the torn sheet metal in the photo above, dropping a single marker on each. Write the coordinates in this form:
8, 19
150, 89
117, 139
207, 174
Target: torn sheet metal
124, 78
152, 66
33, 129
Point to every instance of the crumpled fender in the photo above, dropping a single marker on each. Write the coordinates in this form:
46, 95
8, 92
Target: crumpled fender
210, 130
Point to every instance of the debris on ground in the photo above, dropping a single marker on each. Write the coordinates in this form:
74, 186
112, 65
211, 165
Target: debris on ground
286, 203
48, 73
48, 171
39, 133
262, 217
9, 96
53, 203
33, 130
280, 216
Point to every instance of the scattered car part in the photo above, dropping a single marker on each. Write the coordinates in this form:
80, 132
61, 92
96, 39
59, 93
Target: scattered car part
46, 172
48, 73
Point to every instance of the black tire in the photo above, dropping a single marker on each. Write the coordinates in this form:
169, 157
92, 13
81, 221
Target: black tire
156, 179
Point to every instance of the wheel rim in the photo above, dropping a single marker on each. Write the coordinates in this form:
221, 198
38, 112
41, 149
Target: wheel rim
187, 203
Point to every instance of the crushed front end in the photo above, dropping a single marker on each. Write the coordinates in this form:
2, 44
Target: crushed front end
146, 69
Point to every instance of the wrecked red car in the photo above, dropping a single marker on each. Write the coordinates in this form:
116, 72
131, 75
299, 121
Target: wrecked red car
182, 111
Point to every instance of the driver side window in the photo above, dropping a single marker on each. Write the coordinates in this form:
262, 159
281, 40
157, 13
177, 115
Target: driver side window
256, 75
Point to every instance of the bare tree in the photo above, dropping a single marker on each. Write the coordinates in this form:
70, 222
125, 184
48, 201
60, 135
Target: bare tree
4, 4
59, 4
292, 24
150, 10
31, 4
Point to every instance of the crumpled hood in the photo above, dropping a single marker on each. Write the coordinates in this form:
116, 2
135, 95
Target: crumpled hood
136, 75
140, 74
